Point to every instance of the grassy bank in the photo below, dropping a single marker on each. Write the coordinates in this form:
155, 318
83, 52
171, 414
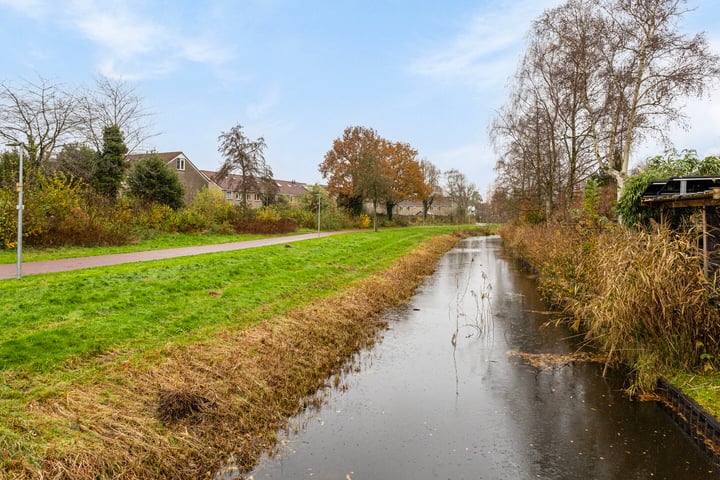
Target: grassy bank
640, 296
161, 370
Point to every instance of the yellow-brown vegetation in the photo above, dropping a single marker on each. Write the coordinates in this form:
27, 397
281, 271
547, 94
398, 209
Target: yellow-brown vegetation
640, 296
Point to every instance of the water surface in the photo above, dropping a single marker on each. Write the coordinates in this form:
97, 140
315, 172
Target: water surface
440, 397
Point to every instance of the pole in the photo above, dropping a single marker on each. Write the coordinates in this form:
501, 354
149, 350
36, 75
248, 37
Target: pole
20, 208
706, 261
318, 197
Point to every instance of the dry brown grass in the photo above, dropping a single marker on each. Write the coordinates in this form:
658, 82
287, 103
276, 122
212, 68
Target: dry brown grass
548, 361
640, 296
652, 307
182, 411
558, 252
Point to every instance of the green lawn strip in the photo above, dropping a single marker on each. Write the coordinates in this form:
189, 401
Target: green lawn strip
62, 330
703, 388
158, 242
48, 320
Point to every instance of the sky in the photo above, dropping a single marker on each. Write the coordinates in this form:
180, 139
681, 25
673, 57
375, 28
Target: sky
298, 72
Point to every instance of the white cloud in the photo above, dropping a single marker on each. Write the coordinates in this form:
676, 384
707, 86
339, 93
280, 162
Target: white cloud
487, 52
475, 160
131, 41
117, 32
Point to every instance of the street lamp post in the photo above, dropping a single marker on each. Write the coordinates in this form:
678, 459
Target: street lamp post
20, 206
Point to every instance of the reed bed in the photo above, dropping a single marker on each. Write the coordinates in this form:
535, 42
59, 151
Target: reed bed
640, 296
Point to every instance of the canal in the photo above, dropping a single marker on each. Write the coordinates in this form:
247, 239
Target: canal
445, 395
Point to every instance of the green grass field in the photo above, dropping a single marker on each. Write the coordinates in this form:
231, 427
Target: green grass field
51, 320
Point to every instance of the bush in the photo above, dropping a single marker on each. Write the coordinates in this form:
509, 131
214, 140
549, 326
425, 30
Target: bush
302, 218
154, 216
59, 211
651, 306
331, 218
266, 227
209, 211
363, 221
661, 167
267, 214
153, 182
336, 219
99, 221
8, 218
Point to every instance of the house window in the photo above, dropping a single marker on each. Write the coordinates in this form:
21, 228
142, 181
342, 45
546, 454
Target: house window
238, 196
257, 197
228, 195
180, 163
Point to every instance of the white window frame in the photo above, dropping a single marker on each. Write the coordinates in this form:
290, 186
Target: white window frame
180, 163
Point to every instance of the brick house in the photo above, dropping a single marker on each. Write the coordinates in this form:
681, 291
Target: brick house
192, 179
290, 191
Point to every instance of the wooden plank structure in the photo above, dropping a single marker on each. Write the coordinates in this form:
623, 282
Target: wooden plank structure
692, 192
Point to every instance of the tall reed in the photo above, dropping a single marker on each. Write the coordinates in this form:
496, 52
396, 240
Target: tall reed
640, 296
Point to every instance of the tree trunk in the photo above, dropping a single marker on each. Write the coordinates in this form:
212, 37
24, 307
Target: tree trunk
375, 228
389, 207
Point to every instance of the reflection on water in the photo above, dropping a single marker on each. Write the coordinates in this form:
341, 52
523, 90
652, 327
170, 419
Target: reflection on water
439, 397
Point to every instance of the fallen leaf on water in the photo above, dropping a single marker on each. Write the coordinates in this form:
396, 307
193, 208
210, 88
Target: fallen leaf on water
550, 360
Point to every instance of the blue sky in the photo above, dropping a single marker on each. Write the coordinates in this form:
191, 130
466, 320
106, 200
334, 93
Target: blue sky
298, 72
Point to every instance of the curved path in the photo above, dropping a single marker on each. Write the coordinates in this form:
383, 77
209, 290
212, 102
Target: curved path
66, 264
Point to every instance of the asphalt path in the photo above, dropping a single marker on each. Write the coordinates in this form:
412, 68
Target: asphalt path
67, 264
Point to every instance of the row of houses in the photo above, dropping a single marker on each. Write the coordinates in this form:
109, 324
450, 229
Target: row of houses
194, 180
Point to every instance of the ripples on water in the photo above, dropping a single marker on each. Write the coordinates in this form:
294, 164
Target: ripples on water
439, 397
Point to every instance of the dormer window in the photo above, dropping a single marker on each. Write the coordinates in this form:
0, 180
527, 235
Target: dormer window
180, 163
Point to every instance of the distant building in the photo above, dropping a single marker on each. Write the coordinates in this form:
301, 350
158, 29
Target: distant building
441, 206
290, 191
192, 179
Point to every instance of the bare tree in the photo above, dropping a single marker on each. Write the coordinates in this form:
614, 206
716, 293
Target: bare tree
646, 66
39, 115
431, 185
244, 156
597, 78
113, 102
461, 191
542, 133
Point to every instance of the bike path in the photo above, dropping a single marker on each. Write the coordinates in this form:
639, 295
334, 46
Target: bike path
8, 270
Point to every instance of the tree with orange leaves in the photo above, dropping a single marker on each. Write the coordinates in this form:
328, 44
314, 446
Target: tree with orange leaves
406, 180
362, 166
355, 168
